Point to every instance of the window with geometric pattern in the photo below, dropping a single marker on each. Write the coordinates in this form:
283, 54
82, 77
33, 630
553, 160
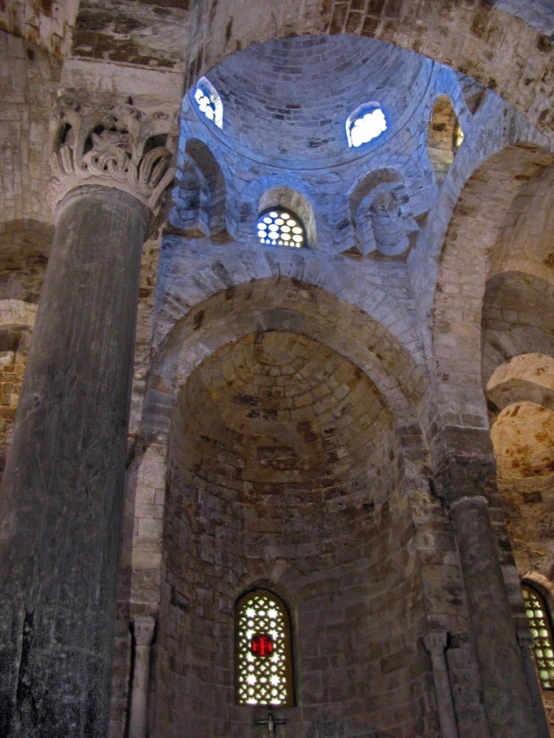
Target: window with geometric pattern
263, 650
208, 101
280, 227
539, 625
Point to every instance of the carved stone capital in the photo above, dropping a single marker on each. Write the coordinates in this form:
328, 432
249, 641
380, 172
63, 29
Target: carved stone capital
143, 629
435, 642
114, 146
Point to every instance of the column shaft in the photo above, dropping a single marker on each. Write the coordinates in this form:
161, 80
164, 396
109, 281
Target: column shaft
143, 632
506, 698
61, 496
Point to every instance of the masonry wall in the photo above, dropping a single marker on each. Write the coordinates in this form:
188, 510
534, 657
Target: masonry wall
325, 522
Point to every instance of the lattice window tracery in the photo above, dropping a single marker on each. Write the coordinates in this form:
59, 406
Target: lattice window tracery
543, 645
263, 650
366, 123
280, 227
209, 101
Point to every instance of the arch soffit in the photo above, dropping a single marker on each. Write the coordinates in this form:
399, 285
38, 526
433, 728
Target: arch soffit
282, 304
471, 236
491, 45
527, 377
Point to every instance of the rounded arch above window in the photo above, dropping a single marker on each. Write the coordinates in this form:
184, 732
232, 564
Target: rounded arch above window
277, 209
365, 123
263, 673
208, 101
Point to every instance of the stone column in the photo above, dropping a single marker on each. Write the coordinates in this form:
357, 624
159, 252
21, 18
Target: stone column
61, 496
143, 632
435, 643
506, 698
525, 640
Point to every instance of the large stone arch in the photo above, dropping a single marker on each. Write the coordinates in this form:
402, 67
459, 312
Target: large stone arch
280, 303
476, 225
496, 48
188, 401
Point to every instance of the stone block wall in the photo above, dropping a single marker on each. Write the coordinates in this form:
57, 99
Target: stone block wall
284, 472
28, 79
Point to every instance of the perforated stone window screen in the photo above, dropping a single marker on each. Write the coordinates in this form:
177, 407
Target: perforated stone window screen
208, 101
366, 123
543, 645
280, 227
263, 650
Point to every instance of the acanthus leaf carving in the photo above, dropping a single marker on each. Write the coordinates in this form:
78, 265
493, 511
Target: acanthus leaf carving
115, 146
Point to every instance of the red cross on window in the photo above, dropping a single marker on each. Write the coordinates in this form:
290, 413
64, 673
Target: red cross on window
261, 644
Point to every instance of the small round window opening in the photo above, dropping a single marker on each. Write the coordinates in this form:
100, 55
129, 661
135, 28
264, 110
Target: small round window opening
280, 227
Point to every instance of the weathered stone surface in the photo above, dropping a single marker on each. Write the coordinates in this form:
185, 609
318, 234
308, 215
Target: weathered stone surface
493, 627
60, 582
414, 289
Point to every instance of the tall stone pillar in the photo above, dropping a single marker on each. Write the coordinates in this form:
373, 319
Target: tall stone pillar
143, 632
506, 698
61, 496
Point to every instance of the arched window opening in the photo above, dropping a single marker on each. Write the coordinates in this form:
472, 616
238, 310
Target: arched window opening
445, 136
540, 627
280, 227
208, 101
294, 206
364, 124
263, 650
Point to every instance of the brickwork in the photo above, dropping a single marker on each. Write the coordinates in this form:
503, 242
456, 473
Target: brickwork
301, 144
16, 324
489, 44
46, 24
248, 497
322, 407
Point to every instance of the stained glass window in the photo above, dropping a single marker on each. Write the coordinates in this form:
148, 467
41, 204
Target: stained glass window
364, 124
539, 625
263, 650
208, 101
280, 227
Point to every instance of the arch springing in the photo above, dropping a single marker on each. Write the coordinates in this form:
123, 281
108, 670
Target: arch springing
263, 650
539, 625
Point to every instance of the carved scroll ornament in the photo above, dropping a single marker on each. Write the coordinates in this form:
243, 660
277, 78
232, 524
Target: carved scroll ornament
114, 146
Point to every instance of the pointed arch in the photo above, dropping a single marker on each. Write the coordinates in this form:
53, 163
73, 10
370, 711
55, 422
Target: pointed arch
474, 231
444, 137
